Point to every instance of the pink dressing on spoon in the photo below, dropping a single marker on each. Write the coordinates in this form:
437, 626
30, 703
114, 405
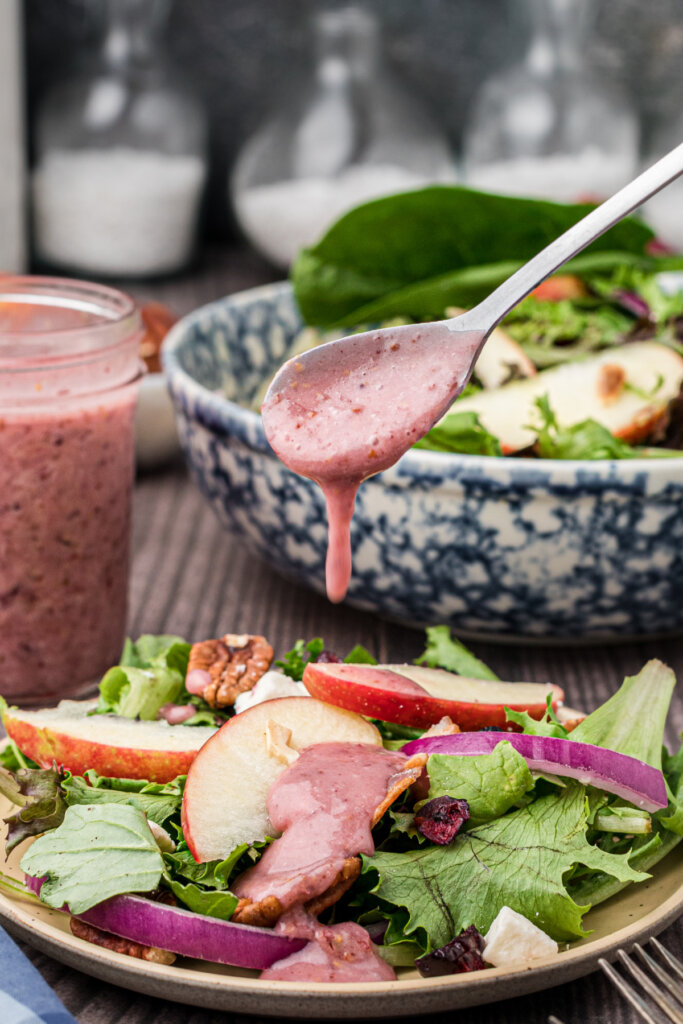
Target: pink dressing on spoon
323, 805
352, 408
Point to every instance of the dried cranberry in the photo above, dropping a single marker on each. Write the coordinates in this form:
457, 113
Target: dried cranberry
461, 954
441, 819
328, 658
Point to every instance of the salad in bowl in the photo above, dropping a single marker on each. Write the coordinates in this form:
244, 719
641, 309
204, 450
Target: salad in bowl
328, 819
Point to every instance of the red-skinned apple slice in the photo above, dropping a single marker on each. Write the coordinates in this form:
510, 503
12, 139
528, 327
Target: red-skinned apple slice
122, 747
412, 695
224, 803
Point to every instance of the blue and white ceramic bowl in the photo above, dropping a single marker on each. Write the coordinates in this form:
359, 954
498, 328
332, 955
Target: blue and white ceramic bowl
498, 547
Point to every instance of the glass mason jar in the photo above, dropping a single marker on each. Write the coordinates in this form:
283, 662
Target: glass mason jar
349, 132
120, 155
69, 374
551, 126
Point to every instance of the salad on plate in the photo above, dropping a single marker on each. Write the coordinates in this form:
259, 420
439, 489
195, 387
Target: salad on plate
319, 818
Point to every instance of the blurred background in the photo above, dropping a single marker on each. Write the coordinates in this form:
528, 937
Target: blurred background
189, 118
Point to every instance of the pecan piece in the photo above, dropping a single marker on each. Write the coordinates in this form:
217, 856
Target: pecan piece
234, 663
265, 912
82, 930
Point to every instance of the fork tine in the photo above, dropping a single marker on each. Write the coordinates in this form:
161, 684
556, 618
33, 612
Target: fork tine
663, 1001
629, 993
672, 986
673, 962
554, 1020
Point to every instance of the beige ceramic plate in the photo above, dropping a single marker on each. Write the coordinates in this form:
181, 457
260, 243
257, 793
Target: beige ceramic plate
634, 915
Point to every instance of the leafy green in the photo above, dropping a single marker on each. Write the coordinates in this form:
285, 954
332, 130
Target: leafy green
444, 651
518, 860
461, 432
544, 329
418, 252
630, 820
645, 852
632, 721
151, 673
662, 306
202, 901
359, 655
491, 783
213, 874
150, 648
549, 725
12, 758
38, 794
585, 440
159, 801
138, 692
98, 851
294, 662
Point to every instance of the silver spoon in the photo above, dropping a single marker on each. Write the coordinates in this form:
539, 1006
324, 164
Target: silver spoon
346, 410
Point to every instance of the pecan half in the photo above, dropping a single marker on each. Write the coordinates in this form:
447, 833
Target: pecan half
89, 933
235, 663
265, 912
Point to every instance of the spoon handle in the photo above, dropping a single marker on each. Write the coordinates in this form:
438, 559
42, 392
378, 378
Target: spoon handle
498, 304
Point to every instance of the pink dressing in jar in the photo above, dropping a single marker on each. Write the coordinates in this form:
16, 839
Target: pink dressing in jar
69, 373
352, 408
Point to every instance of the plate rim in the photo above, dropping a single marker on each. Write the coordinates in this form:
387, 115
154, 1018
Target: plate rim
213, 990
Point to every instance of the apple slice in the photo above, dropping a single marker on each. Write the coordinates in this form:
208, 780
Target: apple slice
501, 359
412, 695
121, 747
593, 388
225, 795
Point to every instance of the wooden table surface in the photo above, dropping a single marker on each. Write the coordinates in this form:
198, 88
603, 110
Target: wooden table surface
192, 578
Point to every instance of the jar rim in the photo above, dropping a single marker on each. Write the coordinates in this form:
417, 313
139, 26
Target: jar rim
84, 295
102, 318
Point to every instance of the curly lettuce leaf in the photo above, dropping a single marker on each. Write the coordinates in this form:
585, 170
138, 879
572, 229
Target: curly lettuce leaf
632, 721
295, 661
444, 651
159, 801
98, 851
38, 793
151, 673
549, 725
150, 648
491, 783
519, 860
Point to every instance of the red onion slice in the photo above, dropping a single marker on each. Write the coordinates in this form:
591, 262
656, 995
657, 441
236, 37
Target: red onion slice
185, 932
625, 776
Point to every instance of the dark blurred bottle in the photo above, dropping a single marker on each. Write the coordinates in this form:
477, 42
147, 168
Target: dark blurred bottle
121, 154
349, 133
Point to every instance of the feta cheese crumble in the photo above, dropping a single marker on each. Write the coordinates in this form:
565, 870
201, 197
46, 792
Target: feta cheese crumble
270, 686
512, 939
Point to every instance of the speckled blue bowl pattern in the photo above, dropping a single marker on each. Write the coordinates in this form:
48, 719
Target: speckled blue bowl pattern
514, 548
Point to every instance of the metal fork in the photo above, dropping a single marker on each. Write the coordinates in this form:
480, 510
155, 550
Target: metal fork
663, 984
669, 975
